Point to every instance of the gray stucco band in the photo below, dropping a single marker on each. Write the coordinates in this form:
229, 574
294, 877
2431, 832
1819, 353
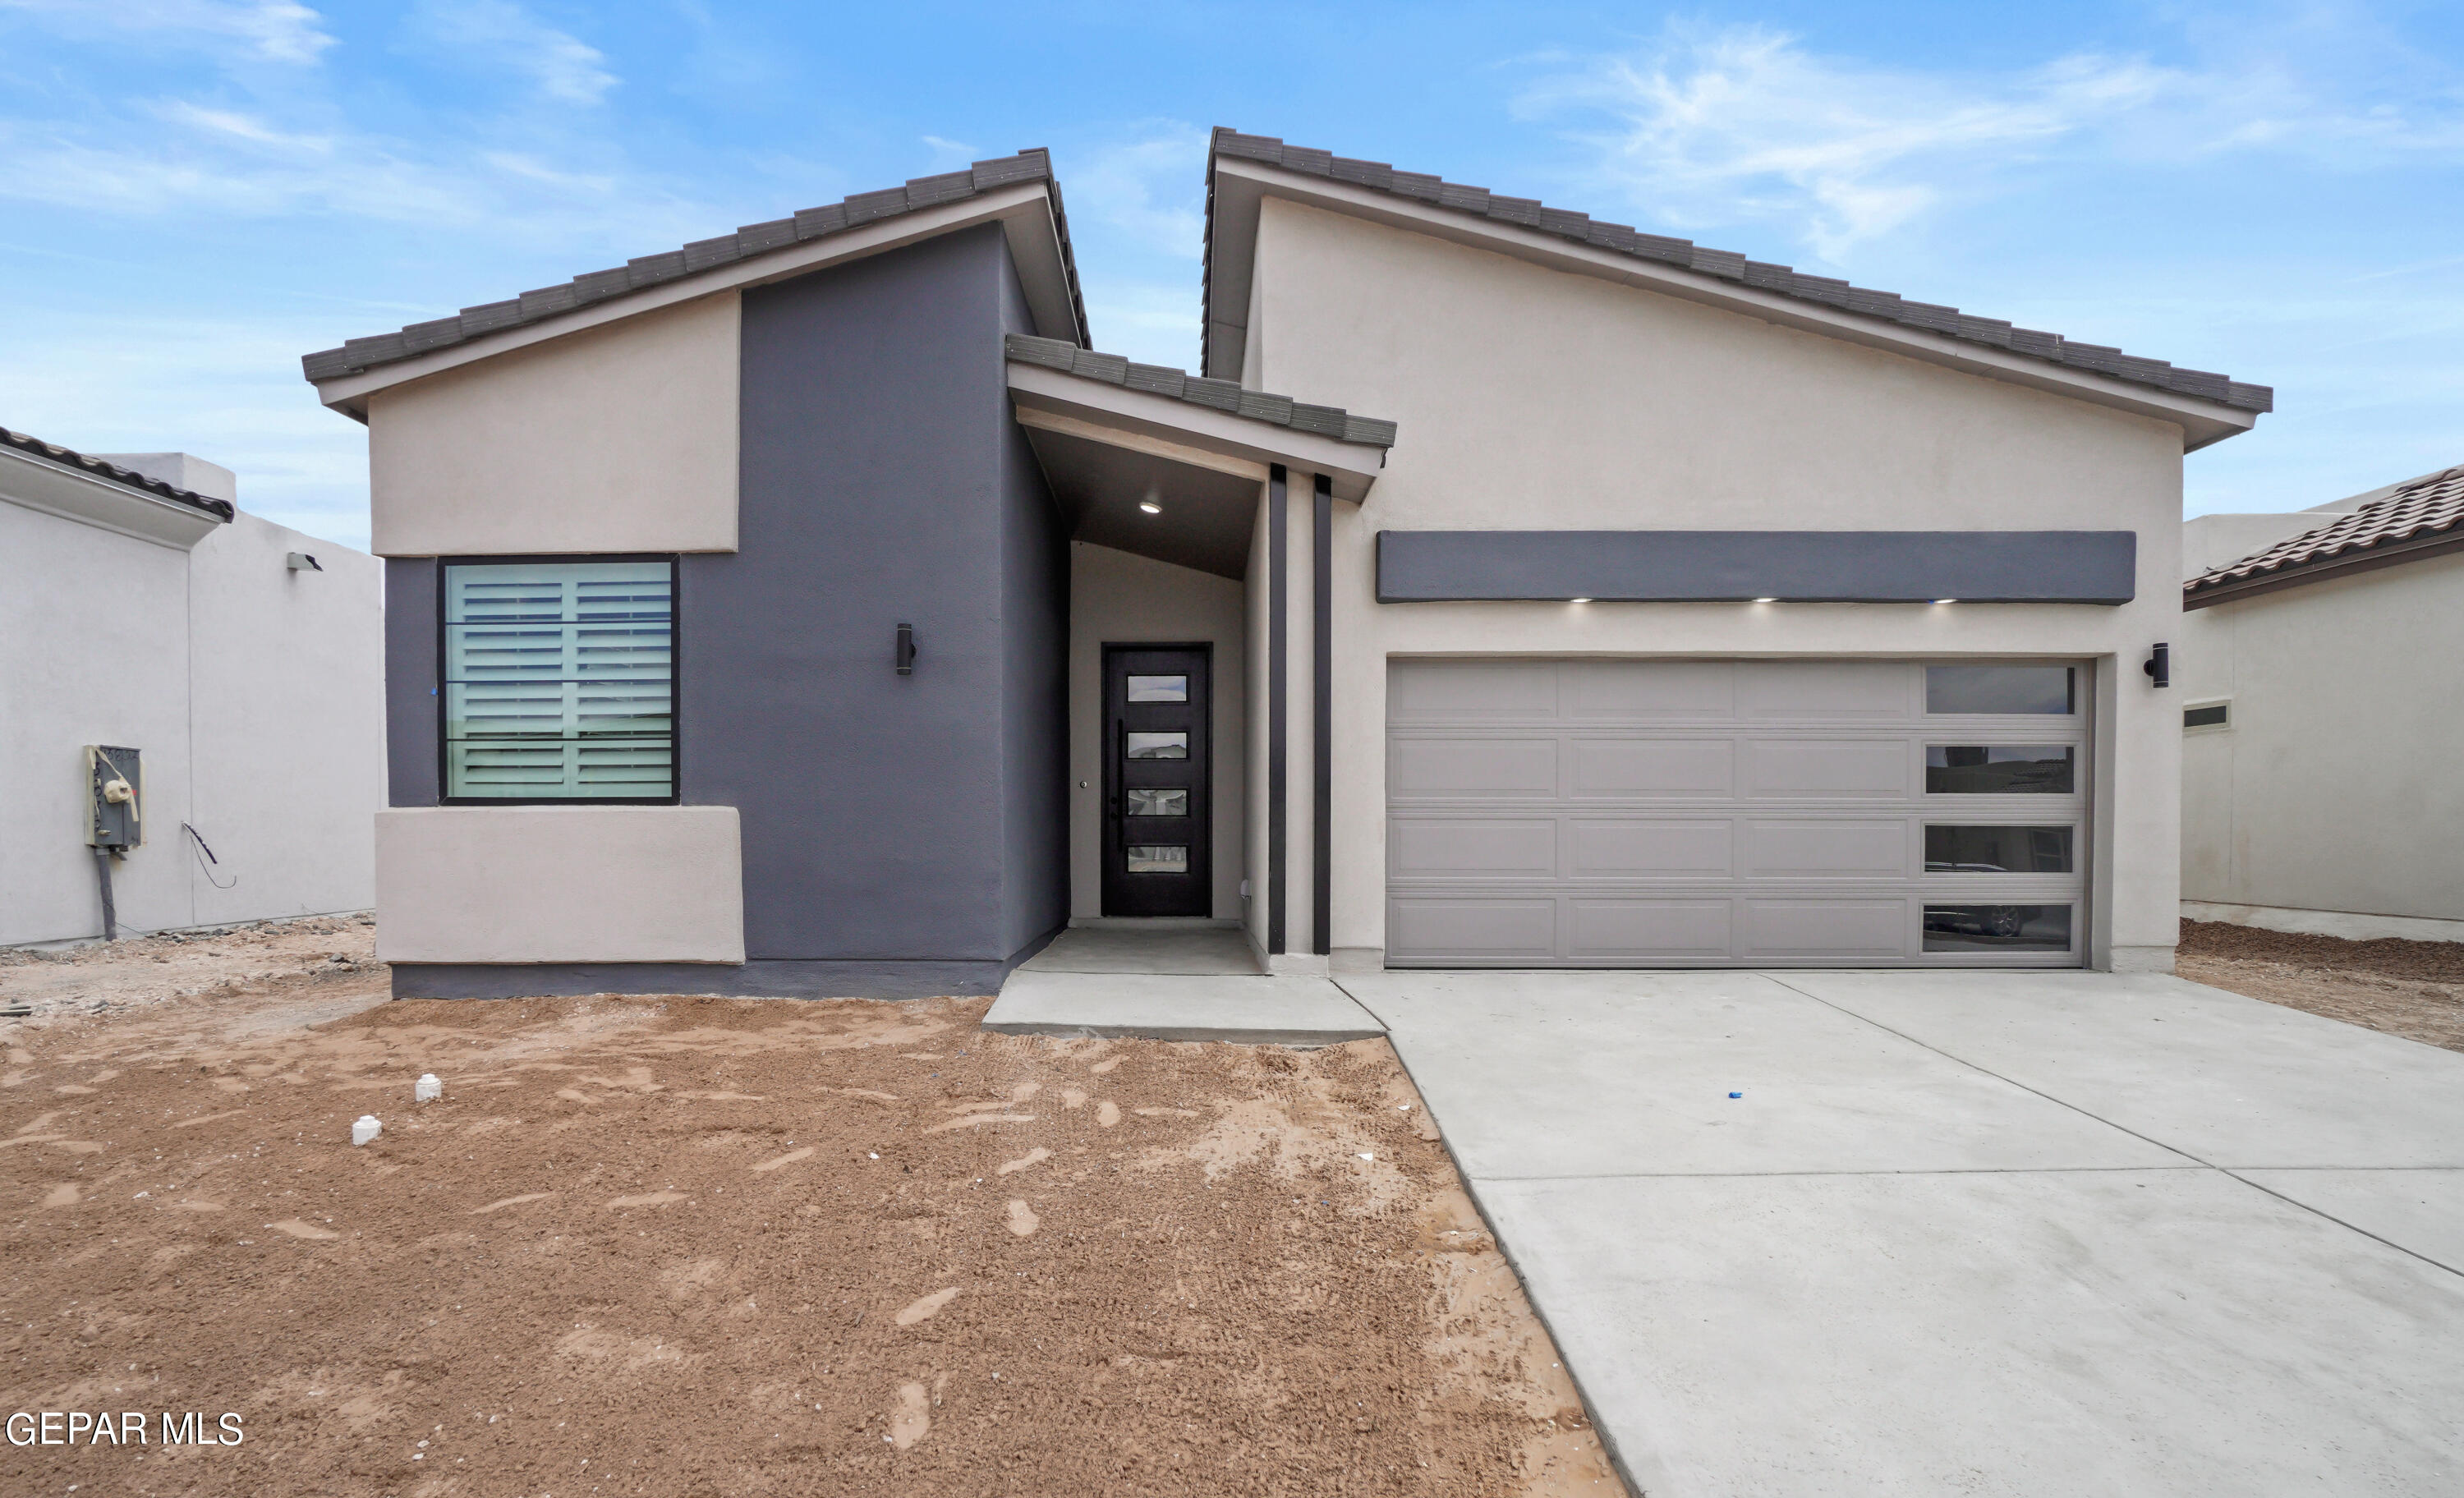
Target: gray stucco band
1737, 567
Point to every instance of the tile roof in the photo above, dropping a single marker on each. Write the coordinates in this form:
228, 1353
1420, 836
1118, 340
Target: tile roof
126, 477
1222, 395
1729, 265
2412, 519
1034, 165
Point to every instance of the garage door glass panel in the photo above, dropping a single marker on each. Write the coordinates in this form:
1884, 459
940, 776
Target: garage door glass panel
1794, 768
2001, 688
2000, 770
1646, 768
1997, 849
1997, 928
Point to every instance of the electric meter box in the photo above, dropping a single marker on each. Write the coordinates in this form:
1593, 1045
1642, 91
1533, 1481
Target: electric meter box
115, 790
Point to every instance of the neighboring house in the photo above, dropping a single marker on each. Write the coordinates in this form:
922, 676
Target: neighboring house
811, 611
2322, 665
143, 611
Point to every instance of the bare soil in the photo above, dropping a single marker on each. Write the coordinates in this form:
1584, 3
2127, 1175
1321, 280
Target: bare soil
699, 1246
2415, 989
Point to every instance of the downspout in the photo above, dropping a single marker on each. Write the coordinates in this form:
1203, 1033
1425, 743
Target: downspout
1322, 715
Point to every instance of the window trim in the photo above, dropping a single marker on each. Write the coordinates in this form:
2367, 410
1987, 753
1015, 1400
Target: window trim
2224, 727
675, 679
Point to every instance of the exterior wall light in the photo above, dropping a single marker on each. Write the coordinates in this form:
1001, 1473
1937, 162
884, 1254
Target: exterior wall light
1578, 600
1149, 507
1767, 601
2159, 664
1946, 601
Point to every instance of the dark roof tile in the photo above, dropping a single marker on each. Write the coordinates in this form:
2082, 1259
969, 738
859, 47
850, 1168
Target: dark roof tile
1222, 395
124, 477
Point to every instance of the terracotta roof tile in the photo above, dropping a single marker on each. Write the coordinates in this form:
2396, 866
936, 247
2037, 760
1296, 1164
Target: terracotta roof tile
2417, 511
124, 477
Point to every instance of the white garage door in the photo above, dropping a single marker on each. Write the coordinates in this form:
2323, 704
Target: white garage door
1749, 813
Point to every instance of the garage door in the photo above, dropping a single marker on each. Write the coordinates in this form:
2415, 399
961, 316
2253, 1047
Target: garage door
1747, 813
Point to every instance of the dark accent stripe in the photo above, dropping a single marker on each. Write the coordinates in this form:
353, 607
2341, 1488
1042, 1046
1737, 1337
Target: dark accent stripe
1278, 684
1321, 714
1731, 566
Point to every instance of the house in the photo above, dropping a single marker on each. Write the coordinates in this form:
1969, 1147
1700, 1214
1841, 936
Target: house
223, 668
812, 611
2321, 662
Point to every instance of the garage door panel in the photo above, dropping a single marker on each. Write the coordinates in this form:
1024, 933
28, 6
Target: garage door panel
1474, 929
1785, 848
1421, 847
1809, 769
1647, 930
1607, 814
1642, 767
1456, 692
1604, 847
1809, 929
1650, 690
1472, 769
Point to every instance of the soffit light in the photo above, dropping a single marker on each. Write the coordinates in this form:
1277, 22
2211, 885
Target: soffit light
1946, 601
1149, 507
1767, 601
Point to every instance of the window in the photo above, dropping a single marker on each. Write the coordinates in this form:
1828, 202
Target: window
1999, 769
2001, 688
1158, 688
1158, 802
1997, 928
560, 680
1159, 746
2207, 714
1147, 858
1997, 849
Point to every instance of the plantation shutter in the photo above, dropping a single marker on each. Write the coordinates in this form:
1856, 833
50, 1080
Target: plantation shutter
558, 680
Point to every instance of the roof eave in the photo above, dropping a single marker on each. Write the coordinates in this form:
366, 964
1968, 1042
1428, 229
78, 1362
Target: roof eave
1237, 186
2418, 547
1350, 467
40, 482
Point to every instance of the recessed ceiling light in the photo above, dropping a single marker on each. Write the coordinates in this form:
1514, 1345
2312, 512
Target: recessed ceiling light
1150, 508
1946, 601
1578, 600
1767, 601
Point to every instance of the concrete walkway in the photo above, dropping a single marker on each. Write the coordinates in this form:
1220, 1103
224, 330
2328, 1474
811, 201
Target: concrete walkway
1967, 1233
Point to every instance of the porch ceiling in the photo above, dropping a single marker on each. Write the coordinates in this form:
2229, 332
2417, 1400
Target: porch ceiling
1206, 512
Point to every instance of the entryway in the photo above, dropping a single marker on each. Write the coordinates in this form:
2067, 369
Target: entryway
1158, 809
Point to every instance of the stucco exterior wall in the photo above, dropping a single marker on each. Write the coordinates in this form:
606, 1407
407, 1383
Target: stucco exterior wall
559, 884
2332, 788
1116, 597
1534, 399
251, 691
621, 438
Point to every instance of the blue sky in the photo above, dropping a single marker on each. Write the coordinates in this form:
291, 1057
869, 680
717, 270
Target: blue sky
195, 192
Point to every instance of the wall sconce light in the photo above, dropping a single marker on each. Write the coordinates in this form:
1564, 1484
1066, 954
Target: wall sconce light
2159, 664
906, 656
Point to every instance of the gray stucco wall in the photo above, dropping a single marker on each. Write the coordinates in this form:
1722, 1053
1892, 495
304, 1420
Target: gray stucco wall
1035, 684
411, 681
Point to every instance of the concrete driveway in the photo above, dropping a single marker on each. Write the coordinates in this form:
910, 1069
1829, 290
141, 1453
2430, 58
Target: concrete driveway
1967, 1233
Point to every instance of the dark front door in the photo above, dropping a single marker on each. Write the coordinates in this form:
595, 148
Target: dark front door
1155, 800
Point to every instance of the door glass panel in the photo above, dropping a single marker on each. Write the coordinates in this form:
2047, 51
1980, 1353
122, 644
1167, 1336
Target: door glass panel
2001, 688
1159, 746
1997, 849
1999, 769
1159, 858
1158, 802
1997, 928
1158, 688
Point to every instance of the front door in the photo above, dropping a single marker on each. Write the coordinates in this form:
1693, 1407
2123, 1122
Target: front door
1155, 800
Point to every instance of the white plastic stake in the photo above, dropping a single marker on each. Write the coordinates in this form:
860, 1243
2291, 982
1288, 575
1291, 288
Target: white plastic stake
367, 1129
426, 1090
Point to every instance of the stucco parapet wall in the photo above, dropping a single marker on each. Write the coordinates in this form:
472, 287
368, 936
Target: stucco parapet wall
865, 222
1746, 567
1198, 432
1677, 265
559, 884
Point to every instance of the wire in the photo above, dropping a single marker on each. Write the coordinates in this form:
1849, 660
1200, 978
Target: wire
209, 858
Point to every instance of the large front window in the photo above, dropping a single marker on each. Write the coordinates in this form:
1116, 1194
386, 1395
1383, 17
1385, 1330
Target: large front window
560, 680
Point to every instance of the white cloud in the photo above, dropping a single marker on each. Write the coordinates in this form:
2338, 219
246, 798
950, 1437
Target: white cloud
274, 30
1151, 186
499, 33
950, 155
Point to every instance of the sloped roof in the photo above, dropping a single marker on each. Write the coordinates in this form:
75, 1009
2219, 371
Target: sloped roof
2422, 518
1034, 165
1222, 395
124, 477
1725, 264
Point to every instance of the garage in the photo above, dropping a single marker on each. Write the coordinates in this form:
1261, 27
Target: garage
1762, 813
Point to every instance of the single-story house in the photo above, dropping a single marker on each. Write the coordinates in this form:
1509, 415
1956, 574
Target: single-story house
2314, 790
813, 610
223, 668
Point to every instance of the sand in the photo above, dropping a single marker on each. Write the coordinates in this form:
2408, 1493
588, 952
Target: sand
694, 1246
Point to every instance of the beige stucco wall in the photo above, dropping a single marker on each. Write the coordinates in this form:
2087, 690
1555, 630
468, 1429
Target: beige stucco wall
621, 438
1116, 597
2333, 789
559, 884
1534, 399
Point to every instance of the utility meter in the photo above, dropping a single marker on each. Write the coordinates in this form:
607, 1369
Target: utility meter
116, 786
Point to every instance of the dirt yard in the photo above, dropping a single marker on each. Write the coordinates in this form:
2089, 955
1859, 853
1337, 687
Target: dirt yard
2415, 989
705, 1247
